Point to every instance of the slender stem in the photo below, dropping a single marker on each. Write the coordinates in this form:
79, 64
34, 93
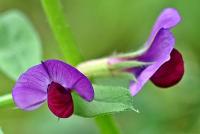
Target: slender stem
107, 124
61, 31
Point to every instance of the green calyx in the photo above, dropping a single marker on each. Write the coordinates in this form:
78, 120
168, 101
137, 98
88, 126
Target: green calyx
102, 67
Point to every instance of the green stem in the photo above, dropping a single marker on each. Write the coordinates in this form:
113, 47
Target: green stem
107, 124
61, 31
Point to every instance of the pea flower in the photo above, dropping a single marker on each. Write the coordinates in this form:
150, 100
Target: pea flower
166, 66
54, 81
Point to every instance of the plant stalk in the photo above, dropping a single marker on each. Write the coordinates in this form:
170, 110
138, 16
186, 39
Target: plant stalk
107, 124
61, 31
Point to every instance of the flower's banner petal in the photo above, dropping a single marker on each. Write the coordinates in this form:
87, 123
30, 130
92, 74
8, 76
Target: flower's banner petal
30, 90
20, 45
168, 18
160, 49
159, 53
108, 99
70, 78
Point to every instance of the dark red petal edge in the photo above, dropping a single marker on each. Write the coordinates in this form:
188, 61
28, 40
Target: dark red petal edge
60, 101
171, 72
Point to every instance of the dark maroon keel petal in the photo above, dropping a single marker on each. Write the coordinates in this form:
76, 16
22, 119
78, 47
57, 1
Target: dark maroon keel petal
60, 101
171, 72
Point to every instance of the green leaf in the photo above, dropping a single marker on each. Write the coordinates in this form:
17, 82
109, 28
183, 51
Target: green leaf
20, 46
1, 132
108, 99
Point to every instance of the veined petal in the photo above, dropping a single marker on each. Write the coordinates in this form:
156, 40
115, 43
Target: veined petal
70, 78
30, 90
168, 18
158, 53
160, 48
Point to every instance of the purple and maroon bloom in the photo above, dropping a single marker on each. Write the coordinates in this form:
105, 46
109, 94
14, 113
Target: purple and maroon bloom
52, 81
166, 66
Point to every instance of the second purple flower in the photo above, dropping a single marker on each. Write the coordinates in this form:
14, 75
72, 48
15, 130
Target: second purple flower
166, 66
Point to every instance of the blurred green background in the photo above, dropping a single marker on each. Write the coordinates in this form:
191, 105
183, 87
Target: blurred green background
102, 27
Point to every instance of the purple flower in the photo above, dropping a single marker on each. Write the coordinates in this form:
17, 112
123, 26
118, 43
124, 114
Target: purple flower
54, 81
167, 66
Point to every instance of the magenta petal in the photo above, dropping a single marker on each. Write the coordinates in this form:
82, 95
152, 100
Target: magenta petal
70, 78
168, 18
30, 90
158, 54
171, 72
60, 100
